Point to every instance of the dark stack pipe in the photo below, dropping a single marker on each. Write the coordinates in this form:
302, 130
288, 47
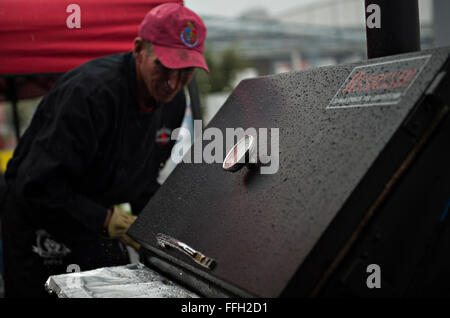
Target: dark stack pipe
399, 28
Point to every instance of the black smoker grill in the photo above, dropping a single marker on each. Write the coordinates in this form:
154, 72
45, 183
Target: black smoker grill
364, 178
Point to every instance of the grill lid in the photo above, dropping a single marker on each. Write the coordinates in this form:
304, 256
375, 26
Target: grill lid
258, 229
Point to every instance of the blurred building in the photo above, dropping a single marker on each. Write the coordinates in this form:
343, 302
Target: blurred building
343, 14
326, 32
323, 33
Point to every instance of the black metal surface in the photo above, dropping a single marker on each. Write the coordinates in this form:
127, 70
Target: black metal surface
399, 29
278, 234
409, 237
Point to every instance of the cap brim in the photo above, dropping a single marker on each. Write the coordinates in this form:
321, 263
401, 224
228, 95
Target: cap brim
179, 57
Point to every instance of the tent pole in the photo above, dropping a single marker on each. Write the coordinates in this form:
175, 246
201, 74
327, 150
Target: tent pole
13, 99
195, 100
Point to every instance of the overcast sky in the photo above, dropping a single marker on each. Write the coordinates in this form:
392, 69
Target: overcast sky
234, 8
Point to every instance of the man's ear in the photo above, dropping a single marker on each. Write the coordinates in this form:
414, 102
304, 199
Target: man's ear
138, 48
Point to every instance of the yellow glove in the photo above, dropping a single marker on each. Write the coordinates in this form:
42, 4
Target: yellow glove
120, 223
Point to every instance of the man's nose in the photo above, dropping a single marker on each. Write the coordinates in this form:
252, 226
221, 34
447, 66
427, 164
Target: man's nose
174, 79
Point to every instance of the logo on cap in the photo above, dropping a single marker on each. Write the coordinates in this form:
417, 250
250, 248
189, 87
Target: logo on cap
189, 35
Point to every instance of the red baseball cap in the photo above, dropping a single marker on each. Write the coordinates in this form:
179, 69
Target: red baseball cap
177, 35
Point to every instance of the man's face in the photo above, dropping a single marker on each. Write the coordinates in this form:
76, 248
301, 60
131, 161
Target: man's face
161, 82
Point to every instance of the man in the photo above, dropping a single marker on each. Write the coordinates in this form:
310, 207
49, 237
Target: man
96, 141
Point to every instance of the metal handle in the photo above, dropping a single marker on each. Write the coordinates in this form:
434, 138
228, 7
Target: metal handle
165, 241
242, 153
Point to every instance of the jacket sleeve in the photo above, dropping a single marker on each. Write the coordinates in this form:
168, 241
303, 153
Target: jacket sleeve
141, 201
173, 116
64, 144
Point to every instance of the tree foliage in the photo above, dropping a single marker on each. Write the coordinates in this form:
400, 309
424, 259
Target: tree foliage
223, 68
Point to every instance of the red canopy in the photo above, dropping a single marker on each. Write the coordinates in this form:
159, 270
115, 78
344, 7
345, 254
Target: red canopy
40, 39
54, 36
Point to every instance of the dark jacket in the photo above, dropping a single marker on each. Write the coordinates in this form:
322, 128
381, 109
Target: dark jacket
89, 146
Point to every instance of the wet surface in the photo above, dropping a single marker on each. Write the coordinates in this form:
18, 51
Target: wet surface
260, 228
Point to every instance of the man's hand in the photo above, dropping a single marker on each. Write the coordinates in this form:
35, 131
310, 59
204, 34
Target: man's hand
120, 223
